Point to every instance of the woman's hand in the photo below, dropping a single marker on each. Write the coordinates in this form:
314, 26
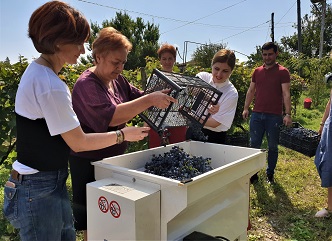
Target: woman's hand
161, 100
135, 133
213, 109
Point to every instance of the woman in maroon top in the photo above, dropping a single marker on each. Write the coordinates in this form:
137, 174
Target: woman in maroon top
104, 101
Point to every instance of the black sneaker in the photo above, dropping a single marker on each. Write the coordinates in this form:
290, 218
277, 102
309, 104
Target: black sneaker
254, 179
270, 178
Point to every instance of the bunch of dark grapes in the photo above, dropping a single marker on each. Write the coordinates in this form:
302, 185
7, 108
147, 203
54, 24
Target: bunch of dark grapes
177, 164
195, 132
301, 133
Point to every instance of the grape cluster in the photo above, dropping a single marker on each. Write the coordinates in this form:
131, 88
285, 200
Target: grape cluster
195, 132
301, 133
300, 139
177, 164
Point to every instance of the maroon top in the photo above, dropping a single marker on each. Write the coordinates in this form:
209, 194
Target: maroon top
95, 106
269, 98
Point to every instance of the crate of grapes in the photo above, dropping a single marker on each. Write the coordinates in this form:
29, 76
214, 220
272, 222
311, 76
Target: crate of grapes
193, 98
238, 138
299, 139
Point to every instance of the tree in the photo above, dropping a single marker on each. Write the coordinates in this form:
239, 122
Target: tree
203, 54
255, 59
143, 36
310, 28
240, 78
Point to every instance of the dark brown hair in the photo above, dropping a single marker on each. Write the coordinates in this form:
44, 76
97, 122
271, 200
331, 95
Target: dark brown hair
270, 45
109, 39
224, 56
55, 23
166, 48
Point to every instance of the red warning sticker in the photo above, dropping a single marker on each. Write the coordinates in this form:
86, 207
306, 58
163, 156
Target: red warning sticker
103, 204
115, 209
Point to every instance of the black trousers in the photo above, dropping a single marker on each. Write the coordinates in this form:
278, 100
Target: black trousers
215, 137
82, 172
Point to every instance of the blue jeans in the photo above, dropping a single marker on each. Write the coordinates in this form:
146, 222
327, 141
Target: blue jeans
39, 206
261, 123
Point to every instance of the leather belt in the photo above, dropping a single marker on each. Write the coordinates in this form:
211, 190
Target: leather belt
15, 175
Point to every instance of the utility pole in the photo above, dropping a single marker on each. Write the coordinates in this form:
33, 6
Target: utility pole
322, 26
299, 34
322, 29
272, 27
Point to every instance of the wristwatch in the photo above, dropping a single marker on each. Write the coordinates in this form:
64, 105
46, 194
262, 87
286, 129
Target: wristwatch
288, 114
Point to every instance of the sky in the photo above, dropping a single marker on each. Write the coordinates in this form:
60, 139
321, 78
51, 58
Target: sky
241, 25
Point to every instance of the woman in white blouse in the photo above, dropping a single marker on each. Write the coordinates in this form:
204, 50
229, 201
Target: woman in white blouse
222, 64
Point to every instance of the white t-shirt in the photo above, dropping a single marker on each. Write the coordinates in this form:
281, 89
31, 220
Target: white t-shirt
42, 94
227, 102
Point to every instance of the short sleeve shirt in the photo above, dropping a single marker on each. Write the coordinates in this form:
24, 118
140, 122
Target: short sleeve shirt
95, 105
43, 95
227, 102
268, 96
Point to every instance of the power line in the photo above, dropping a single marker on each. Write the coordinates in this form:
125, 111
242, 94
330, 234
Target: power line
130, 11
204, 17
171, 19
177, 20
160, 17
286, 12
268, 32
221, 26
243, 31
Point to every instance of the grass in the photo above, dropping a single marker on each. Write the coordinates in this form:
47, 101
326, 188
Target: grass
281, 212
285, 211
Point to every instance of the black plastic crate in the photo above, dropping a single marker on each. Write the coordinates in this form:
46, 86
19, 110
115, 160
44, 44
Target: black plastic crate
299, 139
238, 138
193, 94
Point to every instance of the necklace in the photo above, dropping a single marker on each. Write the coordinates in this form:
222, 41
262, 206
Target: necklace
48, 63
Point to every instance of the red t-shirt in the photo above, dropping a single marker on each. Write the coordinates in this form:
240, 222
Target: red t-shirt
95, 105
268, 96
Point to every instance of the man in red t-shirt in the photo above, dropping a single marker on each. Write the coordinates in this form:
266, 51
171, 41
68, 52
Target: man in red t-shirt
270, 85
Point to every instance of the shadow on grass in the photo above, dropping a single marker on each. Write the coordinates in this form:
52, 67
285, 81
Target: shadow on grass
286, 220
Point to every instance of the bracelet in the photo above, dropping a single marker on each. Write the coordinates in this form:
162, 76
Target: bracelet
321, 124
119, 136
123, 136
288, 114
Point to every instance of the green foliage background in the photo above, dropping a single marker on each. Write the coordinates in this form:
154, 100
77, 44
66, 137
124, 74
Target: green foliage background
10, 76
144, 37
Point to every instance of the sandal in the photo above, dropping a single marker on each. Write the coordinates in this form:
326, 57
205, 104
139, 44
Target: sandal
324, 213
